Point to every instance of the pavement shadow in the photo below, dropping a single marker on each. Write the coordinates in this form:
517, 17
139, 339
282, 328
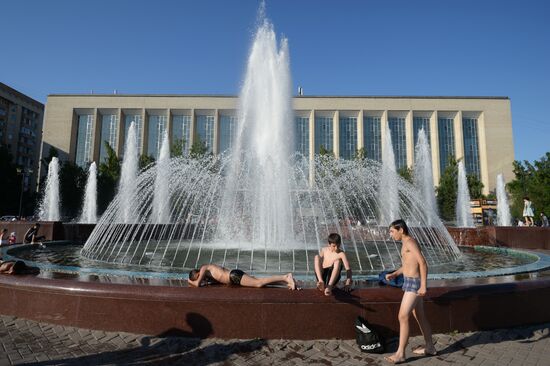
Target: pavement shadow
174, 346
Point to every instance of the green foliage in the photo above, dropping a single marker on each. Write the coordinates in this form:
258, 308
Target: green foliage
51, 154
107, 180
325, 152
532, 180
447, 190
177, 148
360, 154
145, 161
475, 187
406, 173
10, 184
72, 182
198, 149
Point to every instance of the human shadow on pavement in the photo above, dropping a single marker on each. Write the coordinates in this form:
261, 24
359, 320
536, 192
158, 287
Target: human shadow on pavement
172, 346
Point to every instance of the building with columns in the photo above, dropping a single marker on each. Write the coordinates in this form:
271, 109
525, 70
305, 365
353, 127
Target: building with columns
476, 129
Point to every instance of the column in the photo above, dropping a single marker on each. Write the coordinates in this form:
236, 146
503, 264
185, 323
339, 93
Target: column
459, 138
383, 128
434, 145
96, 136
360, 134
409, 138
483, 163
336, 134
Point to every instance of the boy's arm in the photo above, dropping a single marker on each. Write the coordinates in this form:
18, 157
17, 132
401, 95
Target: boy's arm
202, 274
394, 274
347, 267
423, 267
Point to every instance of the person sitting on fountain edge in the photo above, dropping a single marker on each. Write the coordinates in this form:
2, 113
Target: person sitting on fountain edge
31, 236
216, 274
328, 266
415, 272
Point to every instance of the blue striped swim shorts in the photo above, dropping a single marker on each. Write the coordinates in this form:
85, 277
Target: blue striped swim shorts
411, 284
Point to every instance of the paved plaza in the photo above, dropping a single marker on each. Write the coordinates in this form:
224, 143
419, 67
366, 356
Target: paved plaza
25, 342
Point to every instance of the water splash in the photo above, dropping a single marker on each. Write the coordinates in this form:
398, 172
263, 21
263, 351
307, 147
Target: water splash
89, 206
49, 207
504, 217
388, 192
423, 175
463, 212
161, 199
128, 177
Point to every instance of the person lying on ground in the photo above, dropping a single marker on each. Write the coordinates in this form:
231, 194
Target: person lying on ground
212, 273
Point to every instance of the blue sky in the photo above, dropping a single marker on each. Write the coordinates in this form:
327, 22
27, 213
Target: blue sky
386, 47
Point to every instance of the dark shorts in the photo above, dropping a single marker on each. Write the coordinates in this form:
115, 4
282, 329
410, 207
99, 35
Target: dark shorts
411, 284
235, 277
327, 273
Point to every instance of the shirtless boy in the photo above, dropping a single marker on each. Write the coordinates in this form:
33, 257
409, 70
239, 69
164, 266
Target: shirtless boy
328, 266
415, 272
217, 274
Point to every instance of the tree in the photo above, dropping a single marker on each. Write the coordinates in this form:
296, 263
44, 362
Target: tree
447, 190
107, 180
198, 149
323, 151
52, 153
360, 154
10, 184
406, 173
72, 182
177, 148
475, 186
531, 180
145, 161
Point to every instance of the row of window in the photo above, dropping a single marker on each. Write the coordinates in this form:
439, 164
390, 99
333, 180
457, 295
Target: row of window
323, 136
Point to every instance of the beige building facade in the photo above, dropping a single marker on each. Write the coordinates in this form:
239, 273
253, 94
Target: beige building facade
476, 129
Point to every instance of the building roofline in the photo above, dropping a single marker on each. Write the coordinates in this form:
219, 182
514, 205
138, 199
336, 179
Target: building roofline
19, 94
295, 96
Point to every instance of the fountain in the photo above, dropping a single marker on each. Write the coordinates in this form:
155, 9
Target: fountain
182, 212
89, 206
49, 206
260, 208
128, 177
423, 175
161, 199
504, 217
388, 193
463, 213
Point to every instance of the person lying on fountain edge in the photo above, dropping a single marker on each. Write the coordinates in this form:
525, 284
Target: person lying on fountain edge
328, 266
212, 273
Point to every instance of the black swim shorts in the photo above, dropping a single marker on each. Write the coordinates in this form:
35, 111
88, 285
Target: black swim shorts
327, 273
235, 276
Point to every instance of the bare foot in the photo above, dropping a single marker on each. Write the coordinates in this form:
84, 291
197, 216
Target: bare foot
425, 351
394, 359
321, 286
328, 290
291, 282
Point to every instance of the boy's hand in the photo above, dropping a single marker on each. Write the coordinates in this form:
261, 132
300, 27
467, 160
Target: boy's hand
390, 276
347, 286
421, 291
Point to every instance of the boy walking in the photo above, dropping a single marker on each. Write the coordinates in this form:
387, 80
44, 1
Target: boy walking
415, 272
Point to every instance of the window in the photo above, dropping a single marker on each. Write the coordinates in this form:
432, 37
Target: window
128, 119
471, 150
323, 134
157, 126
205, 130
372, 137
446, 142
109, 128
228, 132
348, 137
302, 135
420, 123
399, 141
181, 131
84, 140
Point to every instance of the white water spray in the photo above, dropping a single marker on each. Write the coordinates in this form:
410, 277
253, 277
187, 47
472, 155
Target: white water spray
49, 207
161, 198
89, 206
423, 175
128, 176
388, 192
504, 217
463, 212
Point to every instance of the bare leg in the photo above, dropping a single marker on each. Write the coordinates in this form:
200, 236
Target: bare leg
251, 281
333, 276
407, 305
425, 328
318, 273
